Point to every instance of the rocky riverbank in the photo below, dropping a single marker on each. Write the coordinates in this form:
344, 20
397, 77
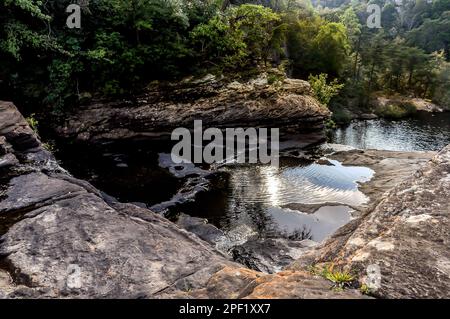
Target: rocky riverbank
404, 238
383, 106
61, 237
218, 102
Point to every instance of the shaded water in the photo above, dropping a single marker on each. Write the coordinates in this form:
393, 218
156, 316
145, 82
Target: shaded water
127, 170
423, 132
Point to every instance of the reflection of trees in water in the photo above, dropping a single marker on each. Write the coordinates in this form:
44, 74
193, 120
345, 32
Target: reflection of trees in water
424, 131
301, 233
298, 234
248, 206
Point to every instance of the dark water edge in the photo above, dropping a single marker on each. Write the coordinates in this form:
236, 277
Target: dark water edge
127, 170
424, 131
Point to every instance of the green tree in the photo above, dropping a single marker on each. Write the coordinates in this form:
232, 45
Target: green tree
322, 90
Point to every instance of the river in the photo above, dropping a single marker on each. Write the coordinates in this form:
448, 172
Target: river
423, 132
264, 200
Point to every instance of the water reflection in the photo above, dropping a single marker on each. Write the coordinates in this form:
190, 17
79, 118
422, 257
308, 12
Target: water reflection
256, 196
325, 221
423, 132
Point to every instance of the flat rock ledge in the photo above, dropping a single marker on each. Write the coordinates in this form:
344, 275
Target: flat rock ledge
62, 238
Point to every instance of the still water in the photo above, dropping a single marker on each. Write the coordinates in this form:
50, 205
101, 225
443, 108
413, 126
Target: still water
424, 132
269, 200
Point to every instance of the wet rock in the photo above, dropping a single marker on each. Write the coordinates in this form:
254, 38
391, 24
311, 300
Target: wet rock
270, 255
200, 227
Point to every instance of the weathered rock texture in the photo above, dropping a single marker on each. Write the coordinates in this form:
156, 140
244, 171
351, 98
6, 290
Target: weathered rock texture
61, 237
406, 238
390, 167
219, 103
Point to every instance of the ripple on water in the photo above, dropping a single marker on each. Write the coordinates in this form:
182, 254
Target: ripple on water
257, 194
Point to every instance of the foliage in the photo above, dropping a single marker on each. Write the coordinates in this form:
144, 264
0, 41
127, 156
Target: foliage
124, 45
322, 90
317, 46
341, 117
32, 122
396, 111
339, 277
365, 289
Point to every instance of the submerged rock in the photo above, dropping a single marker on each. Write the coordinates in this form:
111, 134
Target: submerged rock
270, 255
200, 227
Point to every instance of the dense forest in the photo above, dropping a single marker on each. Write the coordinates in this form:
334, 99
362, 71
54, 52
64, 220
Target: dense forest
123, 45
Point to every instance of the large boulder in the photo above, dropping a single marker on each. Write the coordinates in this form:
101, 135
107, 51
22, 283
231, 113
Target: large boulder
217, 102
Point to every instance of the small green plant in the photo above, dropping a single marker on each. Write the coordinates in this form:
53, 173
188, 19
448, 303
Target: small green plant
364, 289
49, 146
322, 90
33, 123
340, 278
273, 79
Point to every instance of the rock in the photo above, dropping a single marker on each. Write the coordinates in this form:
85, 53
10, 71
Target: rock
367, 116
3, 146
297, 86
62, 238
200, 227
232, 282
270, 255
296, 285
228, 283
217, 102
329, 148
8, 160
399, 249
